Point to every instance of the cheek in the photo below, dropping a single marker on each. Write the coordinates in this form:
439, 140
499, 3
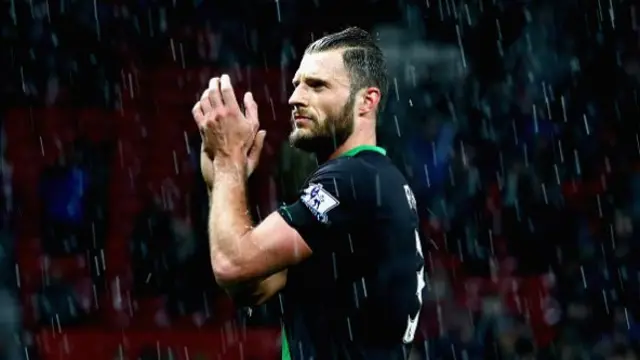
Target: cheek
326, 109
321, 120
325, 114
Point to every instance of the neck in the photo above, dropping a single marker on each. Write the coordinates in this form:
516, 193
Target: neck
357, 138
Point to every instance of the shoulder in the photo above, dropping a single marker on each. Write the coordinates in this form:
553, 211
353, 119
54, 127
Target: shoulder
355, 168
341, 176
358, 178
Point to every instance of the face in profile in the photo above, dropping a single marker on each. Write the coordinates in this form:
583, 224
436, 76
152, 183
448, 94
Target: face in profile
323, 103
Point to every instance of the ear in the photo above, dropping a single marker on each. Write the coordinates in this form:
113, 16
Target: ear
369, 100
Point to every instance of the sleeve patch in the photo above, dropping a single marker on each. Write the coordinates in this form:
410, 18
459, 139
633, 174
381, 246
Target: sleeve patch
319, 201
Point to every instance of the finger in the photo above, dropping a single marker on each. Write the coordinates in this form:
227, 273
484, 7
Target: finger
214, 93
228, 96
205, 102
198, 114
256, 148
251, 109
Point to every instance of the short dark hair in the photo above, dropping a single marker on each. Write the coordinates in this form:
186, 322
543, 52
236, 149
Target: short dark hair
362, 58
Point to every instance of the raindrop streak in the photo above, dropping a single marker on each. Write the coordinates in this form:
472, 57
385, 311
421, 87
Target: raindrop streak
467, 14
12, 12
49, 13
584, 278
278, 11
561, 153
182, 61
395, 88
612, 14
586, 124
536, 126
95, 15
395, 120
335, 266
355, 295
462, 54
18, 283
426, 173
546, 101
364, 288
186, 142
24, 85
173, 49
175, 163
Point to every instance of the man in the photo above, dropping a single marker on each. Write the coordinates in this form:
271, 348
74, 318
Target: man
346, 254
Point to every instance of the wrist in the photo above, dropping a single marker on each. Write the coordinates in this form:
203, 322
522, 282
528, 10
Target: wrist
229, 163
235, 158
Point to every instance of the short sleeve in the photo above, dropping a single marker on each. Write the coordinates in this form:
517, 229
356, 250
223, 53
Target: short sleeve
324, 207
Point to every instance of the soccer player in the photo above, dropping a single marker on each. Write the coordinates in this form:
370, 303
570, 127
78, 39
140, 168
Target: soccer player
346, 255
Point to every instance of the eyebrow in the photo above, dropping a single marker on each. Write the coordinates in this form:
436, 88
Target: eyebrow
295, 81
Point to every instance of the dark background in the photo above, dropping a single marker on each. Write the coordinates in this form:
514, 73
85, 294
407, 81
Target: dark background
516, 123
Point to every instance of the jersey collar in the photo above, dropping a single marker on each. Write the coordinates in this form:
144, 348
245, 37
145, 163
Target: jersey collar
358, 149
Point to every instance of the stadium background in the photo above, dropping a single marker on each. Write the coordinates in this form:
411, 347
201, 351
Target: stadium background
515, 121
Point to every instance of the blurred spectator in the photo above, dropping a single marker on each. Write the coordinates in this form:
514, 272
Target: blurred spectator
74, 196
11, 344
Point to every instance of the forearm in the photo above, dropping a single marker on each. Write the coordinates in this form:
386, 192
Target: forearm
229, 218
257, 292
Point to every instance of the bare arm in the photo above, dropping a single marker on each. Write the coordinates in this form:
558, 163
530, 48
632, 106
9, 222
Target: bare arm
258, 292
243, 259
241, 254
253, 293
250, 293
228, 216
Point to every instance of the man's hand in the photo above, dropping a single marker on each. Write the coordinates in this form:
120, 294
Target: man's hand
217, 108
228, 133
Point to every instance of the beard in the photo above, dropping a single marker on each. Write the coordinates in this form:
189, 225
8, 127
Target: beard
324, 138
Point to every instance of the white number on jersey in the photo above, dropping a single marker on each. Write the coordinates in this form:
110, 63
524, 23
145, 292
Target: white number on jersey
412, 322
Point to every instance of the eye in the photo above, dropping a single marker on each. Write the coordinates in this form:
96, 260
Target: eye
316, 85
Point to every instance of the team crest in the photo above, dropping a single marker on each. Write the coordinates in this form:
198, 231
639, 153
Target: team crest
319, 201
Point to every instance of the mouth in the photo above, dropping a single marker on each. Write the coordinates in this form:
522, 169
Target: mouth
301, 120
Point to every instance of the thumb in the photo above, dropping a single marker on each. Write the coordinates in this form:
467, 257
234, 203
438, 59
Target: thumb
256, 149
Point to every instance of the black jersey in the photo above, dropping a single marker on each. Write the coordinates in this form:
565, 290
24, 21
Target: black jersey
358, 296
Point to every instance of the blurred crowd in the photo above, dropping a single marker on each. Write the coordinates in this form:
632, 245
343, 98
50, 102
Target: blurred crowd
516, 123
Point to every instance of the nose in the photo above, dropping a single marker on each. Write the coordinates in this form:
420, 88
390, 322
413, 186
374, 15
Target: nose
298, 98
